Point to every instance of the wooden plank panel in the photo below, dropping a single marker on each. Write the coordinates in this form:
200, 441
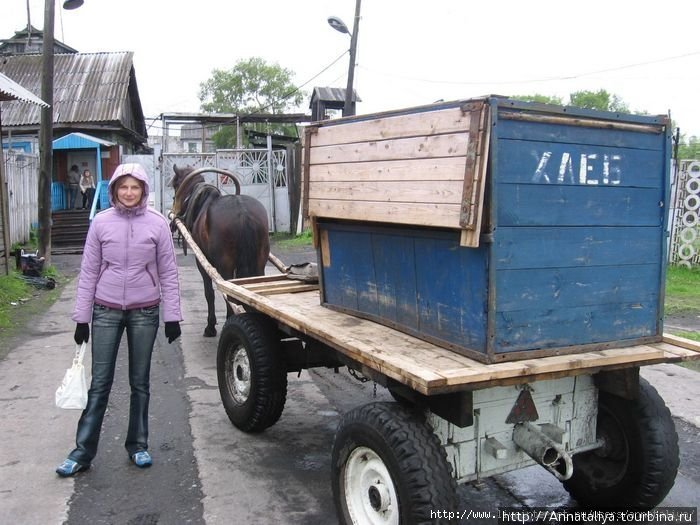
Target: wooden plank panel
452, 287
407, 125
552, 328
677, 353
511, 129
555, 288
453, 145
543, 205
289, 287
441, 216
531, 368
550, 247
435, 169
682, 342
531, 162
395, 279
446, 192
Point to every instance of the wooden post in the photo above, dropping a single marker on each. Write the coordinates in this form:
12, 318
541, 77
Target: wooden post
4, 207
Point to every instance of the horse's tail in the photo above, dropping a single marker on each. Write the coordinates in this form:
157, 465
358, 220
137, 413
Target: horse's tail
250, 261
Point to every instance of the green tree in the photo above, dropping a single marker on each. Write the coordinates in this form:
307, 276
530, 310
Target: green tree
600, 100
251, 86
689, 148
541, 99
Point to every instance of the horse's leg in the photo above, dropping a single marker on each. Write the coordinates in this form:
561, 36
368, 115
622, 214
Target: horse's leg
210, 330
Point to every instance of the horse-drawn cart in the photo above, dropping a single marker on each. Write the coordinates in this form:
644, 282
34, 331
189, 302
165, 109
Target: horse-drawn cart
484, 395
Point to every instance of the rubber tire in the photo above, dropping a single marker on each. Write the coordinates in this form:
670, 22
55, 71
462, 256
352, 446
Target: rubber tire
644, 458
263, 406
410, 451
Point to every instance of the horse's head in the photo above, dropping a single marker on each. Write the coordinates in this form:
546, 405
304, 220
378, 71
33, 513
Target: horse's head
180, 176
184, 182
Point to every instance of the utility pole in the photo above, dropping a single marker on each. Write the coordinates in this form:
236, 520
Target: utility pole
348, 109
46, 135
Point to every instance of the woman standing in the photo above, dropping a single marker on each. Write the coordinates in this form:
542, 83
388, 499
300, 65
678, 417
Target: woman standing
127, 272
87, 188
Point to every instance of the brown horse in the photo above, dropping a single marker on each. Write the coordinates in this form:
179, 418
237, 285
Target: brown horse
231, 230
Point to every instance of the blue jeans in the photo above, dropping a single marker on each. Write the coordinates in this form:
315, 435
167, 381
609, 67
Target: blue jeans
73, 196
107, 328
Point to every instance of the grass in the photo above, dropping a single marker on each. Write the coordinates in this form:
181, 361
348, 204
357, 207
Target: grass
304, 239
691, 365
12, 291
682, 291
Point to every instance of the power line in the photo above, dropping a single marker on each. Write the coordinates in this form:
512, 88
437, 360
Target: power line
536, 80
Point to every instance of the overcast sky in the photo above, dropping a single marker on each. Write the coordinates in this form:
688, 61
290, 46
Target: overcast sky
409, 52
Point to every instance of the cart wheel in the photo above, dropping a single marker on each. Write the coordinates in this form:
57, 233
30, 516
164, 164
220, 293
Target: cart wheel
251, 372
389, 468
637, 465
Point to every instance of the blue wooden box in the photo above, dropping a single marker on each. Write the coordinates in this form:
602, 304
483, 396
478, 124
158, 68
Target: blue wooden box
557, 242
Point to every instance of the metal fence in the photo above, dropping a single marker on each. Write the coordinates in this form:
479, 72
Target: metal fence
684, 220
261, 172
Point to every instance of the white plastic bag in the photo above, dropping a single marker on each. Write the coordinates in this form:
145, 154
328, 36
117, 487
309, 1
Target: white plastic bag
73, 390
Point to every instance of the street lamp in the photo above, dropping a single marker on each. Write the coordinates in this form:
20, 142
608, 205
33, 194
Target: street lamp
337, 24
46, 129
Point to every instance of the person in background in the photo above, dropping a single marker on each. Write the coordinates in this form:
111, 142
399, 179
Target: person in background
127, 275
87, 188
73, 186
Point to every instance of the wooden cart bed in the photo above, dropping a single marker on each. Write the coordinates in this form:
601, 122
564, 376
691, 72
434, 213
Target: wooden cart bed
423, 366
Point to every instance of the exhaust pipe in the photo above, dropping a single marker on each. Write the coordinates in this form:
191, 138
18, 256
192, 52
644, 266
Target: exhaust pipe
540, 447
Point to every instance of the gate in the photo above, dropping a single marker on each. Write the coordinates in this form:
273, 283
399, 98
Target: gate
261, 172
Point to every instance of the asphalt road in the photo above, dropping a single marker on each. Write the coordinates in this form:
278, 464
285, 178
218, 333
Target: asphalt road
205, 470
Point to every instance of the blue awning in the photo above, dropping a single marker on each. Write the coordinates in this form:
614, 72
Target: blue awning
81, 141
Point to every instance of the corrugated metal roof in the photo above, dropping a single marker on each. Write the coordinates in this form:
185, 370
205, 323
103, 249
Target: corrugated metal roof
88, 87
11, 90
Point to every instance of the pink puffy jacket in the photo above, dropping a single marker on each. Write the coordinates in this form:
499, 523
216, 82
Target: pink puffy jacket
129, 258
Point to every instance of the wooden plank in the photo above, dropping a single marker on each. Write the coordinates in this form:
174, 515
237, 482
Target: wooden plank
453, 145
682, 342
552, 246
260, 278
446, 215
548, 132
433, 169
446, 192
262, 284
579, 122
556, 163
407, 125
556, 288
531, 368
290, 288
524, 330
475, 169
554, 205
677, 353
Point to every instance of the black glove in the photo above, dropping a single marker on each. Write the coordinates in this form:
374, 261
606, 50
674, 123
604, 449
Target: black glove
172, 330
82, 333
